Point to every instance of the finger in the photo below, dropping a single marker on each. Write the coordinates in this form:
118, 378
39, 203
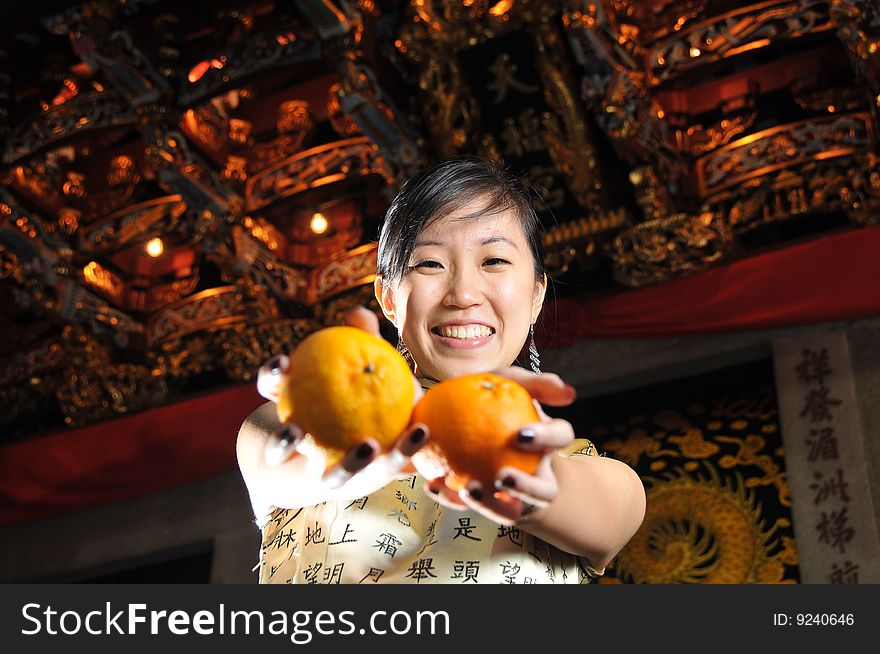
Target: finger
398, 459
362, 318
550, 435
543, 416
355, 460
270, 374
547, 388
281, 445
539, 489
500, 509
412, 440
418, 391
442, 494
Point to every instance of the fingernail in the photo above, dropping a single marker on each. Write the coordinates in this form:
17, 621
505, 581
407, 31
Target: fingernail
288, 435
475, 492
526, 435
364, 451
507, 482
417, 436
571, 390
432, 490
278, 365
284, 444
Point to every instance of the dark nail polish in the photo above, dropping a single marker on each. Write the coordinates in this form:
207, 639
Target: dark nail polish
526, 435
417, 436
432, 490
288, 435
276, 364
475, 493
508, 482
364, 451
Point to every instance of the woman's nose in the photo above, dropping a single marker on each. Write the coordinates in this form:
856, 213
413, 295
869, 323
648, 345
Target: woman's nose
464, 290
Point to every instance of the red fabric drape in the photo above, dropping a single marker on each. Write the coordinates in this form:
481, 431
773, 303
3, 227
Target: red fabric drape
123, 458
832, 278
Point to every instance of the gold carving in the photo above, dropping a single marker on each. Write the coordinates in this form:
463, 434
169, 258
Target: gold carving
657, 250
95, 388
239, 134
101, 279
452, 110
130, 223
209, 309
245, 350
348, 270
293, 117
782, 147
571, 149
651, 195
235, 170
737, 31
318, 166
341, 122
68, 219
122, 172
703, 139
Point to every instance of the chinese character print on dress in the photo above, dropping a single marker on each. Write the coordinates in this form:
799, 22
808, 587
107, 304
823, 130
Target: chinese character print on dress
399, 534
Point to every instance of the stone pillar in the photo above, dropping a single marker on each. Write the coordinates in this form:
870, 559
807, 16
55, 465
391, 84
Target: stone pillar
832, 508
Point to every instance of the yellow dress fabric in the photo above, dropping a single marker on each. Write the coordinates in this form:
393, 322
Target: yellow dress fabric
399, 534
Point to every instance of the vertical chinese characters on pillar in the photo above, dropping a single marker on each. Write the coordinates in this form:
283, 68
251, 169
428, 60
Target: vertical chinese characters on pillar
829, 485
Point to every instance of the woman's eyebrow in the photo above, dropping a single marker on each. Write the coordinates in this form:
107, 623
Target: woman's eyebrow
421, 244
487, 241
499, 239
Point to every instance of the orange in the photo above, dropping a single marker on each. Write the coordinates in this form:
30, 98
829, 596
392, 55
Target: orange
473, 422
346, 385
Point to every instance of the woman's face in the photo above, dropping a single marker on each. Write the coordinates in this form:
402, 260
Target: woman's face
469, 294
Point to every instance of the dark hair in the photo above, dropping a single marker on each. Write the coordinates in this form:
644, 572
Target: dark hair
441, 190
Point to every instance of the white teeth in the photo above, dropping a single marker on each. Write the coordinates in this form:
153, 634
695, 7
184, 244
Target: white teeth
470, 331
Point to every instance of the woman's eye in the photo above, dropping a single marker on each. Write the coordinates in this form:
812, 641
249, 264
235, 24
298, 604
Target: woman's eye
495, 261
428, 263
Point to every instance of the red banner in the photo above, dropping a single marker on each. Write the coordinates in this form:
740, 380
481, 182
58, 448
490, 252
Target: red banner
123, 458
832, 278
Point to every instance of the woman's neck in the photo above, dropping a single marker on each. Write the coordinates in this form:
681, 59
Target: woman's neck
425, 380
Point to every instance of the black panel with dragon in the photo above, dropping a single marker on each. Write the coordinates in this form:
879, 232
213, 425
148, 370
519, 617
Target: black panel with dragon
708, 449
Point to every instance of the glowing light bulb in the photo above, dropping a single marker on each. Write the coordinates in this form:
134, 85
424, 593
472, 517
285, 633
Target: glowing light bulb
695, 52
319, 223
155, 247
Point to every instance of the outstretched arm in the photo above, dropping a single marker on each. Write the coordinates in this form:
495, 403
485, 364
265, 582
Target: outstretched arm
599, 507
589, 506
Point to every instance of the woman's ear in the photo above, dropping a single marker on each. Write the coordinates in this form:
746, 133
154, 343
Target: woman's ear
385, 296
539, 295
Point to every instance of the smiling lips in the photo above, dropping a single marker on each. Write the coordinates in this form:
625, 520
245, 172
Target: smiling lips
464, 331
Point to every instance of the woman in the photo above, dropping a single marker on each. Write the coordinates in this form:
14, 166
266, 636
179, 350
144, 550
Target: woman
460, 276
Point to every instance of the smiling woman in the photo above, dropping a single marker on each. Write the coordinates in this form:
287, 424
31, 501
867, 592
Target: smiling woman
460, 270
460, 276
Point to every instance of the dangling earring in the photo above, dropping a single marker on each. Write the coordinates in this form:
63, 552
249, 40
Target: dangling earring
533, 352
404, 351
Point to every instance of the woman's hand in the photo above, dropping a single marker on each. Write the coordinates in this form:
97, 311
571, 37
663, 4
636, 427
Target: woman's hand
516, 493
364, 468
